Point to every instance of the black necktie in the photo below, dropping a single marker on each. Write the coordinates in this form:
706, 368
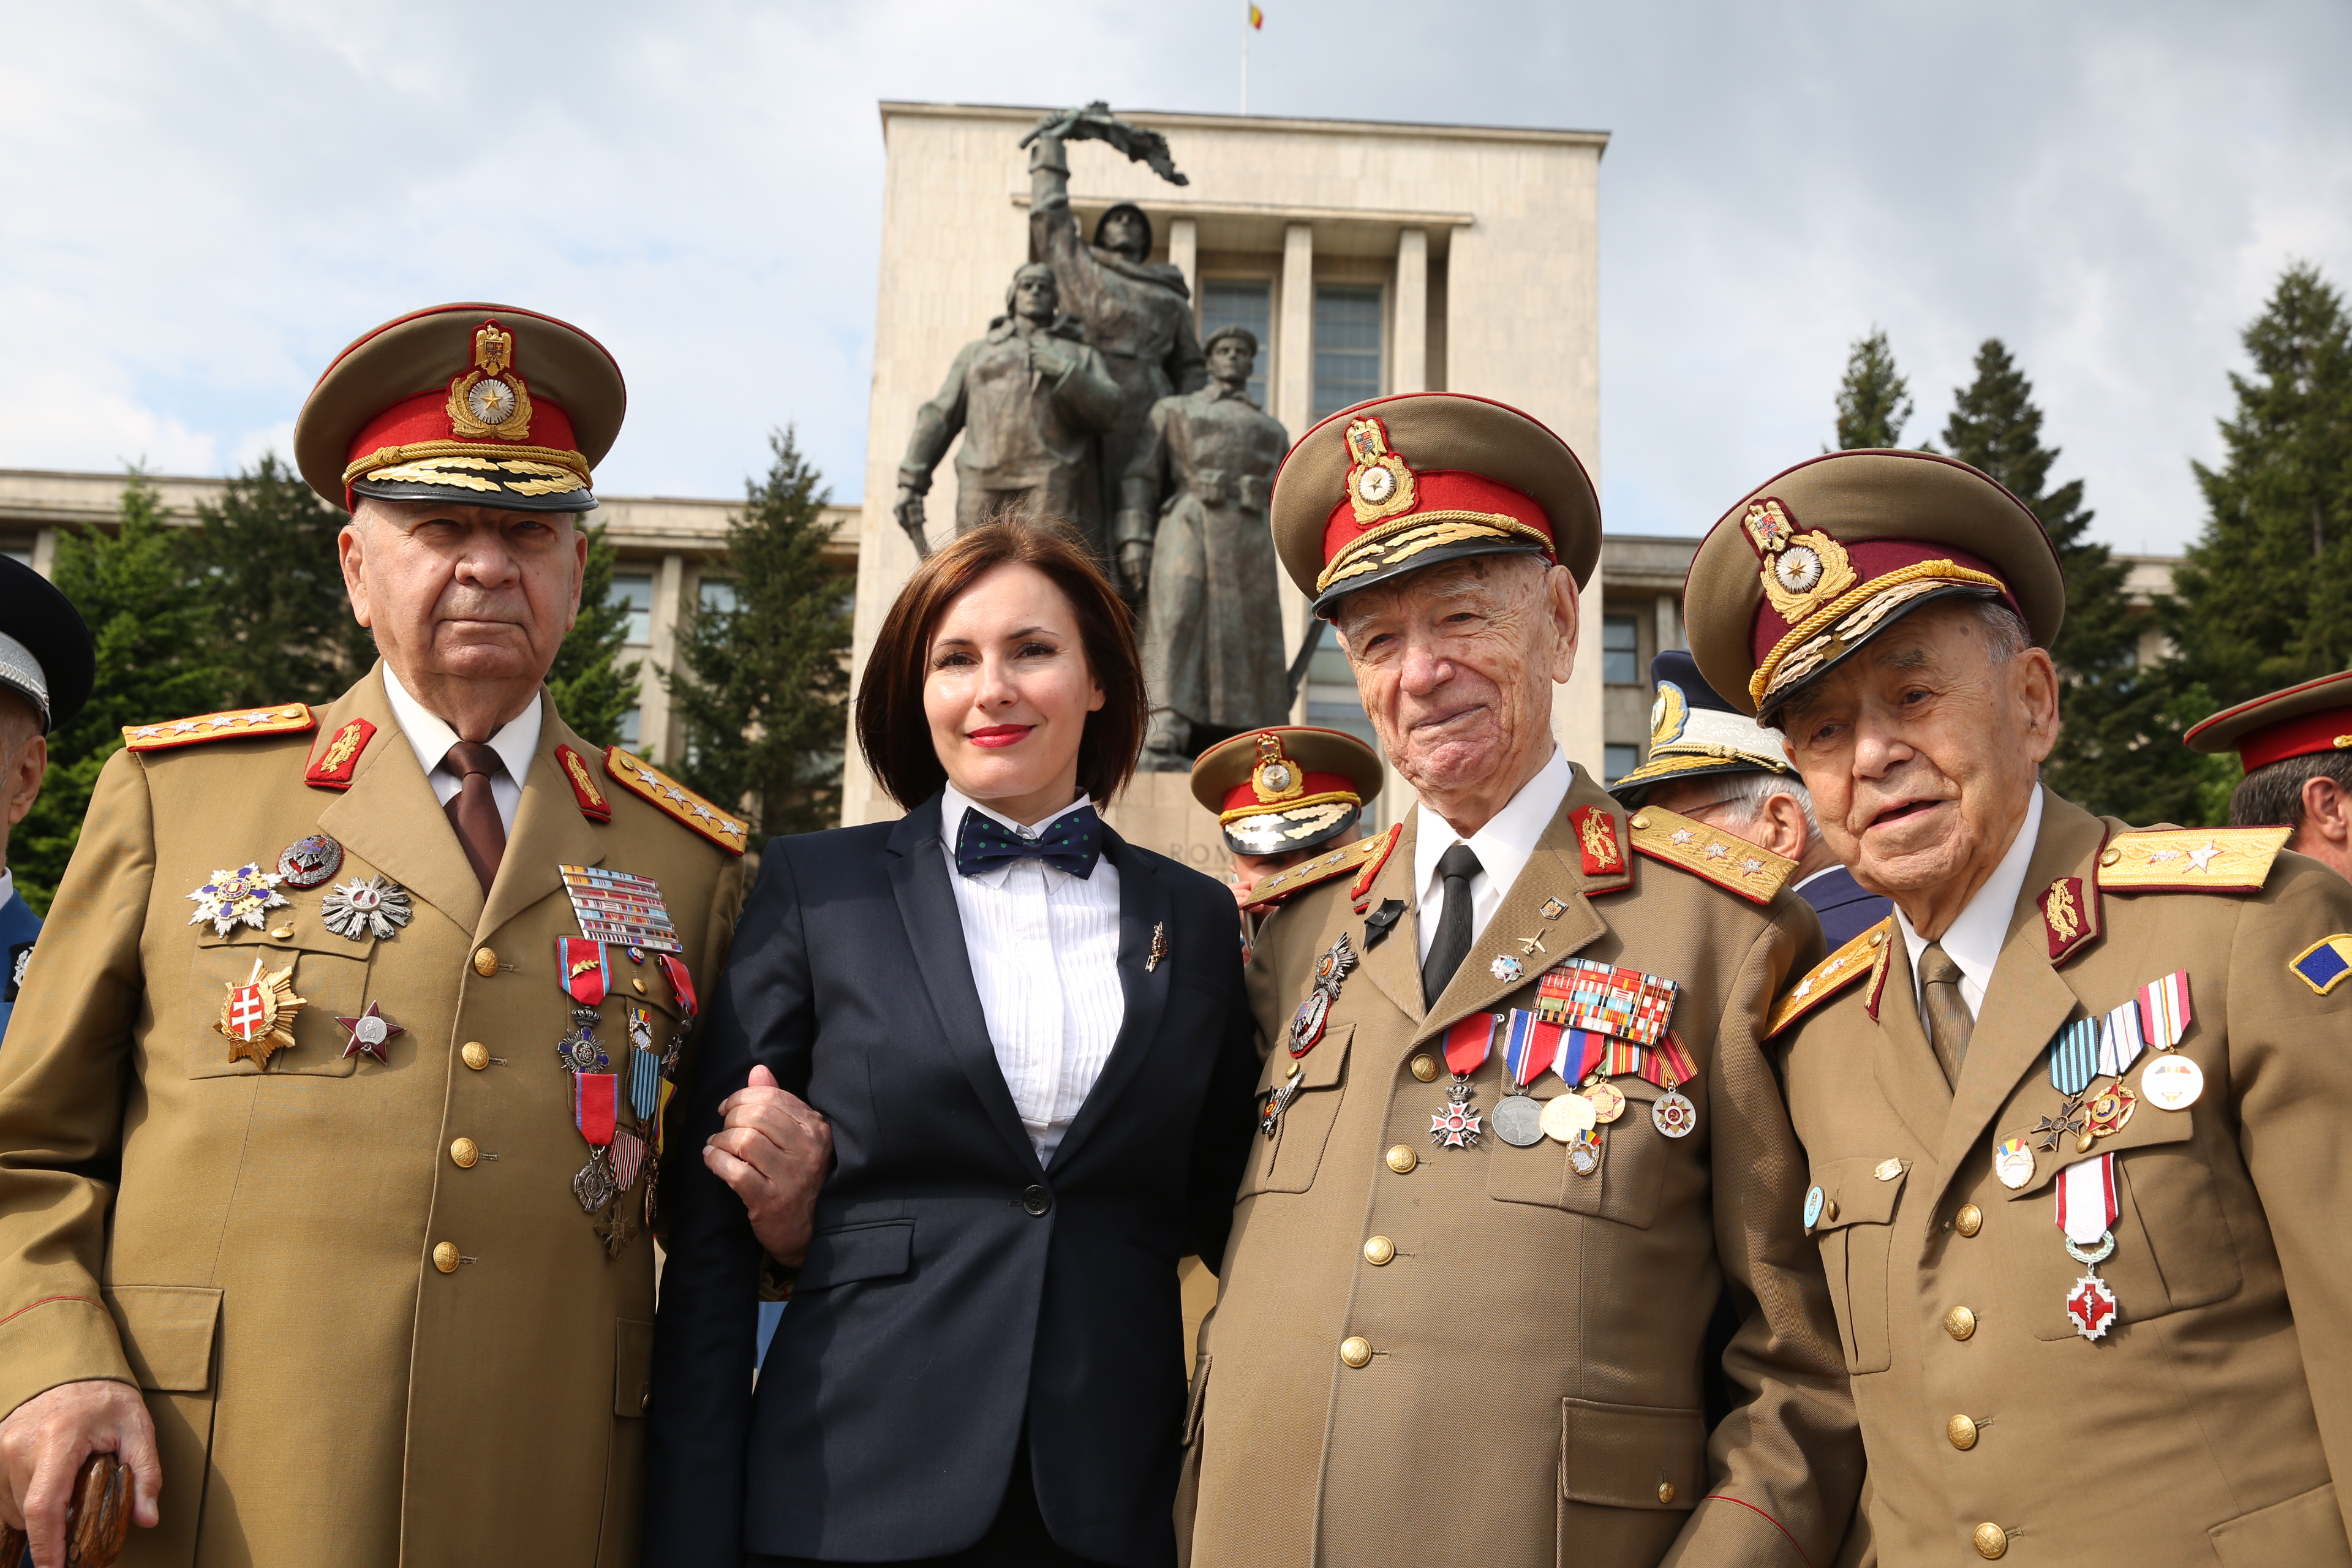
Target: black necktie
1452, 945
473, 811
1073, 843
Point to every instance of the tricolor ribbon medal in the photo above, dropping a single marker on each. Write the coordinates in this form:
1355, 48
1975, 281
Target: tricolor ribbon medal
2086, 1218
1529, 1045
1467, 1045
2164, 1011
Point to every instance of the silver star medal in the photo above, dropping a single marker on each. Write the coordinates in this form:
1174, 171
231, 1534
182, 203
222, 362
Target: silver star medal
359, 909
238, 897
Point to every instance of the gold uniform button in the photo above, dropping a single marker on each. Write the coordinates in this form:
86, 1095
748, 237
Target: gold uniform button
486, 962
1424, 1068
475, 1054
282, 934
1969, 1220
1402, 1159
1829, 1210
2108, 858
640, 985
1640, 824
1962, 1431
1959, 1322
1666, 1491
465, 1154
1355, 1350
445, 1256
1877, 937
1991, 1539
1379, 1251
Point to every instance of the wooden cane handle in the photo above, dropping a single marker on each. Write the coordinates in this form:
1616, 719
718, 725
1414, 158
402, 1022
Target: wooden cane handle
97, 1518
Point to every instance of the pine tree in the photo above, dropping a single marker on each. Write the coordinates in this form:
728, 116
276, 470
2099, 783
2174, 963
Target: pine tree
2265, 594
763, 686
2119, 749
590, 687
266, 566
160, 655
1874, 400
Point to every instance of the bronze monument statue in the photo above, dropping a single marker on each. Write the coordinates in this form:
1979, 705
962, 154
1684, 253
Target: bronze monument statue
1195, 550
1029, 398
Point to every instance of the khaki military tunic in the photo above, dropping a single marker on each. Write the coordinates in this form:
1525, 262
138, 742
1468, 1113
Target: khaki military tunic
255, 1248
2204, 1426
1530, 1339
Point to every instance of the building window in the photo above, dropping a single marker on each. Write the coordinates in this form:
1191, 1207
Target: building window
1621, 650
632, 724
1331, 699
1347, 346
1242, 302
634, 593
717, 596
1616, 761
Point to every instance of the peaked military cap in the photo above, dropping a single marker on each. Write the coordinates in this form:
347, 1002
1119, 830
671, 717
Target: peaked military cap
1819, 559
1286, 787
46, 653
2315, 716
1399, 483
487, 405
1693, 732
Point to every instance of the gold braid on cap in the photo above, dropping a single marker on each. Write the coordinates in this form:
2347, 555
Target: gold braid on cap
468, 464
1842, 623
1407, 537
1284, 807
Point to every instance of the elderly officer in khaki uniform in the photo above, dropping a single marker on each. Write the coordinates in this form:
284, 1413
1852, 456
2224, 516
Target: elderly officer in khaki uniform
2295, 746
2075, 1111
330, 1115
1519, 1127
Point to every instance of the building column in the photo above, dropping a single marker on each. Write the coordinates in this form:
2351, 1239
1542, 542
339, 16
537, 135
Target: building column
1184, 251
45, 553
653, 693
1411, 330
1670, 623
1293, 385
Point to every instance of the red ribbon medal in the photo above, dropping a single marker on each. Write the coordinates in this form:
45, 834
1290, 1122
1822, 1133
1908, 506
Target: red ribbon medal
595, 1106
1467, 1045
582, 966
681, 984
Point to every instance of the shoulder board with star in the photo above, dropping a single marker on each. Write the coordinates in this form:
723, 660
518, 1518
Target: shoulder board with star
286, 718
1865, 955
2190, 859
1729, 861
649, 783
1369, 855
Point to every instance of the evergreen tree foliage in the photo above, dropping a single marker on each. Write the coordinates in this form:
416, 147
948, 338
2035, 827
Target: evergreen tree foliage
265, 564
2119, 749
161, 655
763, 686
590, 687
2265, 594
1874, 400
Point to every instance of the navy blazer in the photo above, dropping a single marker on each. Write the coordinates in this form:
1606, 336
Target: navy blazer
1845, 909
954, 1288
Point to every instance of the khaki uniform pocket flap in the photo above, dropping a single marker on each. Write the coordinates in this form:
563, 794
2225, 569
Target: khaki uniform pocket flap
167, 1333
1630, 1455
1861, 1198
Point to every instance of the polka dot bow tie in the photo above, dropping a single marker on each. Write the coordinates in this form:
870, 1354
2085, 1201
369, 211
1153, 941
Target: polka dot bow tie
1072, 843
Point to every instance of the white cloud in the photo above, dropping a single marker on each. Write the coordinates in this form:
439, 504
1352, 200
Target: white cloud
198, 206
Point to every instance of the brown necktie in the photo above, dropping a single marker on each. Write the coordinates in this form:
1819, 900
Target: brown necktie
1950, 1022
473, 812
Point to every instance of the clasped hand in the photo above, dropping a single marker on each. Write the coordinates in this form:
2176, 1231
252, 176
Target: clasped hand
773, 1150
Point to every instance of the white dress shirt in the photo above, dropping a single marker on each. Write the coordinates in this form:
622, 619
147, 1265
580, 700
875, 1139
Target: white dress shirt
516, 742
1503, 848
1974, 939
1044, 947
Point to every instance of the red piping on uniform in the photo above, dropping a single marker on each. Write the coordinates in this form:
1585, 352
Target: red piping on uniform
43, 1302
1727, 1497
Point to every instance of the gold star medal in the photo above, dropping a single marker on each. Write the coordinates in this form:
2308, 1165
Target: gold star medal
257, 1016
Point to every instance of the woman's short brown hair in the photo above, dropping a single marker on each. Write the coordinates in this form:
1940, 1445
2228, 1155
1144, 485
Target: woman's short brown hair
892, 728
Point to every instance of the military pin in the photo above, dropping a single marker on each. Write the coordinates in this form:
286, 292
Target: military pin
636, 955
1608, 1100
2172, 1082
310, 860
1277, 1101
370, 1032
1673, 1114
2012, 1161
1815, 1199
1507, 969
2105, 1113
1584, 1155
1518, 1120
1552, 910
1567, 1118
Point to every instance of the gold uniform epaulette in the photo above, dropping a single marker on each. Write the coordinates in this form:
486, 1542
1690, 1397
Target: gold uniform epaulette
2190, 859
286, 718
1371, 852
1862, 955
1729, 862
650, 783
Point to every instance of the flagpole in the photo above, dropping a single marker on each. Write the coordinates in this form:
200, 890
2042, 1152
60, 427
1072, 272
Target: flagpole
1246, 33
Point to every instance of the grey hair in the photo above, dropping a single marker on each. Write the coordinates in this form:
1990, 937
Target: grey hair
2005, 635
2271, 795
1747, 793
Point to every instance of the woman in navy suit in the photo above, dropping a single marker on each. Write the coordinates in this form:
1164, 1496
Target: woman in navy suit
973, 1081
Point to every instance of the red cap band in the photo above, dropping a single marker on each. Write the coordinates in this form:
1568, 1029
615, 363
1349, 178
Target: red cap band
1441, 489
2330, 729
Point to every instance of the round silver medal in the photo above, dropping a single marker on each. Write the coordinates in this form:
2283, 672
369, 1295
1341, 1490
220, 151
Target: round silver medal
1673, 1114
1518, 1120
2172, 1082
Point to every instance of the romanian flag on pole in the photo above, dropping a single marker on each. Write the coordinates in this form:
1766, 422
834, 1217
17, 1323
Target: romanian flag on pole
1257, 17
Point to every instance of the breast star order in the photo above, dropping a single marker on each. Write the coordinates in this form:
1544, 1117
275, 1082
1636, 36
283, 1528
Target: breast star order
370, 1032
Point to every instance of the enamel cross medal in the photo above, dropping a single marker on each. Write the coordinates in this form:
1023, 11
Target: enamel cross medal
2086, 1218
1467, 1043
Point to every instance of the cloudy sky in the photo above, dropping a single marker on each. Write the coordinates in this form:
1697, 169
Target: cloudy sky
200, 202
